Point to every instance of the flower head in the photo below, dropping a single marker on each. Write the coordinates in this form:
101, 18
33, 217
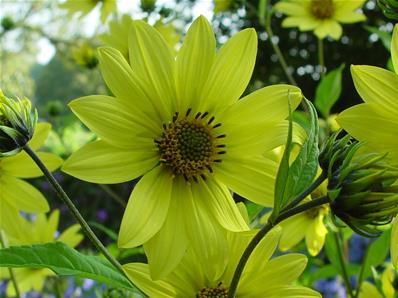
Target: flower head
375, 121
263, 276
178, 122
17, 124
42, 230
321, 16
360, 185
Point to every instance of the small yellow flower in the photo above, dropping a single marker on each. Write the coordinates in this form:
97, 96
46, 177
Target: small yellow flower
321, 16
41, 230
376, 120
263, 276
16, 194
178, 122
83, 7
389, 280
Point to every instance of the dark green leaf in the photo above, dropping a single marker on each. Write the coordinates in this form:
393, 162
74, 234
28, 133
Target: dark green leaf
328, 91
63, 260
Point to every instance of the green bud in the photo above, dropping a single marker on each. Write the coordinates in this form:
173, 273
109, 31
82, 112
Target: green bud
17, 124
148, 5
7, 23
389, 8
360, 185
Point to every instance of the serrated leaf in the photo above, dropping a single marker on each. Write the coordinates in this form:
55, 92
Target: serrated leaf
304, 168
63, 260
328, 91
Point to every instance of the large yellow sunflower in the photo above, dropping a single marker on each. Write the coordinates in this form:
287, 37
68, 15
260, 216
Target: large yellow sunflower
41, 230
321, 16
262, 276
376, 120
83, 7
179, 123
15, 193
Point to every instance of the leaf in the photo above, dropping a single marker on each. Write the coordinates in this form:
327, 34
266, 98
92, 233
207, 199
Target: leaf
328, 91
329, 271
63, 260
304, 168
376, 254
384, 36
331, 250
262, 9
283, 170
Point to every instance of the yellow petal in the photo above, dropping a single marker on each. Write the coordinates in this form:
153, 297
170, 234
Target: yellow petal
21, 195
284, 291
295, 9
369, 290
114, 121
218, 201
22, 166
99, 162
349, 17
231, 71
394, 243
394, 48
50, 226
153, 62
71, 236
194, 61
40, 135
377, 86
250, 177
125, 84
147, 208
315, 236
293, 231
304, 23
139, 274
172, 238
329, 28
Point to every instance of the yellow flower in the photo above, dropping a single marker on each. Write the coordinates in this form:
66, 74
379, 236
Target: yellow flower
83, 7
16, 194
117, 37
389, 279
178, 123
394, 243
321, 16
41, 230
262, 276
376, 120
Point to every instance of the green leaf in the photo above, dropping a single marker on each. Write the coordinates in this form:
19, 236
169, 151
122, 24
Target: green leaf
376, 254
63, 260
328, 91
331, 250
329, 271
262, 9
283, 170
384, 36
304, 168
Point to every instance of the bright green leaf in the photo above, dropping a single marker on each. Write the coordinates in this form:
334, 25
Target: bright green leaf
328, 91
63, 260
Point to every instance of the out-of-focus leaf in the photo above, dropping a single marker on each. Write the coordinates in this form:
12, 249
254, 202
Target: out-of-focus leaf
328, 91
63, 260
384, 36
329, 271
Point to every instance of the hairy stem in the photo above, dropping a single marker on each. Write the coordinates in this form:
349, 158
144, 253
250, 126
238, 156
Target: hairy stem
286, 213
75, 212
10, 270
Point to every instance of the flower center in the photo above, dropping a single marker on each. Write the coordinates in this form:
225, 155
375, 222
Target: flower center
217, 292
322, 9
190, 145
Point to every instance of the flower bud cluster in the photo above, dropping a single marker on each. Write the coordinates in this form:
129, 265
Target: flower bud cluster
360, 185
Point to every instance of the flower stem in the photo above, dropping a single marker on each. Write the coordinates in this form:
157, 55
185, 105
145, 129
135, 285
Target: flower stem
276, 48
286, 213
344, 273
361, 273
75, 212
321, 57
10, 271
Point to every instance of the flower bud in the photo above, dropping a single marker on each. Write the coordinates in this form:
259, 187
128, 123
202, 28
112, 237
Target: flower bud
17, 124
360, 185
389, 8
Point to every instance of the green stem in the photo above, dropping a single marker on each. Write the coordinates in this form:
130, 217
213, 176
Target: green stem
318, 181
58, 289
113, 195
276, 48
361, 273
339, 246
75, 212
10, 270
321, 57
261, 234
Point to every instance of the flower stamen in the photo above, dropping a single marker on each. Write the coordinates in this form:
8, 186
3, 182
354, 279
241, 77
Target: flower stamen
322, 9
